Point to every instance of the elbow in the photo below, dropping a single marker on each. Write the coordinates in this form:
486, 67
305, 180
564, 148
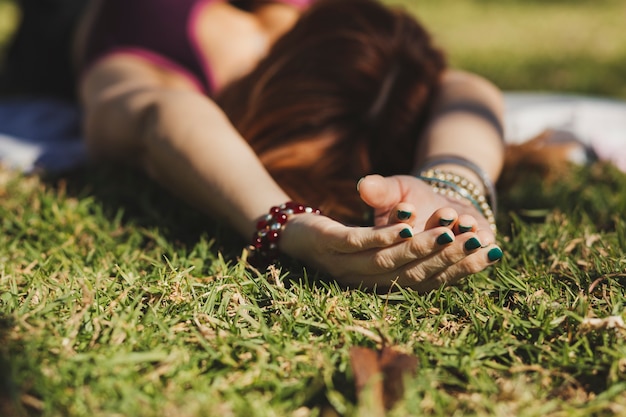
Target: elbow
95, 141
468, 85
115, 130
492, 93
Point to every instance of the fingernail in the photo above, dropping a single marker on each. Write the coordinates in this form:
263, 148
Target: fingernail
406, 233
472, 244
465, 229
444, 239
404, 215
494, 254
445, 222
358, 184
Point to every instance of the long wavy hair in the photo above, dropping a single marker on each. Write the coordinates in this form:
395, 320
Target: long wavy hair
343, 94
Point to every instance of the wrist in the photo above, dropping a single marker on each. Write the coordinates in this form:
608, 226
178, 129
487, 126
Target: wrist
453, 185
265, 246
462, 172
466, 170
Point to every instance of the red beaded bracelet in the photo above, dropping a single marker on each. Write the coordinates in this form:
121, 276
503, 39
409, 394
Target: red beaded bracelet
264, 249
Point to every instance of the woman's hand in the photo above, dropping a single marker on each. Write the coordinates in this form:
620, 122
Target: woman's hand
381, 256
389, 195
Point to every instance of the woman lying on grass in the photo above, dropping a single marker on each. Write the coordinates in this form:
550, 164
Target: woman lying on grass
241, 107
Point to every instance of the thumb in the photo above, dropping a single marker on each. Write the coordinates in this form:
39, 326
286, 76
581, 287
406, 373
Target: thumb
380, 193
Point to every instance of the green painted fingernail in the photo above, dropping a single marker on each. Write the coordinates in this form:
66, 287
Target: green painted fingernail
445, 222
472, 244
444, 239
465, 229
406, 233
494, 254
404, 215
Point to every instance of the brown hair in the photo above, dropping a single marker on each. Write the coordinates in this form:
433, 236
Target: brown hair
341, 95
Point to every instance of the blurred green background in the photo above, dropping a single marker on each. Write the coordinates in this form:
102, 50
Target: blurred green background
9, 18
576, 46
565, 45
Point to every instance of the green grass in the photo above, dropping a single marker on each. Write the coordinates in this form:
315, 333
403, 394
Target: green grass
124, 303
117, 301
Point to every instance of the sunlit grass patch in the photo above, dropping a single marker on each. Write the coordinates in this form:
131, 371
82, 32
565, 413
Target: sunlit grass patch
108, 311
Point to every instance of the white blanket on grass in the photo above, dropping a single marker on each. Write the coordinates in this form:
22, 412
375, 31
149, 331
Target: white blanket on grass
40, 134
597, 122
43, 134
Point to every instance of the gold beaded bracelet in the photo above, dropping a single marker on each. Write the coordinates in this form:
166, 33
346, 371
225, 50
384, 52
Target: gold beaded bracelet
453, 185
489, 187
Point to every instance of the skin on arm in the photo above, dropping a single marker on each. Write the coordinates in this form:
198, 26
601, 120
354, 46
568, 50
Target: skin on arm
154, 120
467, 122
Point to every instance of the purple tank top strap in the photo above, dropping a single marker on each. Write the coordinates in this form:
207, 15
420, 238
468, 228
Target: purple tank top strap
160, 30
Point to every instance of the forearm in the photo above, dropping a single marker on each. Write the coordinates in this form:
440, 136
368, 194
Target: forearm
466, 122
208, 163
203, 159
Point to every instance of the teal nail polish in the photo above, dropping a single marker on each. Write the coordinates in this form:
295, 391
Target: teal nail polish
444, 239
465, 229
406, 233
404, 215
494, 254
472, 244
445, 222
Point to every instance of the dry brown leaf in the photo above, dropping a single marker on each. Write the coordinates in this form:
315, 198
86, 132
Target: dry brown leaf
379, 376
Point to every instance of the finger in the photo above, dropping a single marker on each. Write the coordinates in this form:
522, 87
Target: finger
465, 224
349, 240
439, 261
380, 192
471, 264
463, 256
444, 267
393, 258
445, 216
403, 213
486, 236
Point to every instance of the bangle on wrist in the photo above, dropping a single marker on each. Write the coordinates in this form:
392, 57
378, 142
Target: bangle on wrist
264, 248
490, 189
453, 185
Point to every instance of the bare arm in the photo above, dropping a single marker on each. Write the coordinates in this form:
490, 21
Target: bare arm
467, 122
179, 137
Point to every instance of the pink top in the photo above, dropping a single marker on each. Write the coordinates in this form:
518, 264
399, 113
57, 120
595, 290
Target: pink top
160, 31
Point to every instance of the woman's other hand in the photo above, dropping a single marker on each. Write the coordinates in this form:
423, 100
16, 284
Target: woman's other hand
381, 256
386, 194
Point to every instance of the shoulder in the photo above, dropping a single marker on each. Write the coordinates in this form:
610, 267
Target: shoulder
120, 73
